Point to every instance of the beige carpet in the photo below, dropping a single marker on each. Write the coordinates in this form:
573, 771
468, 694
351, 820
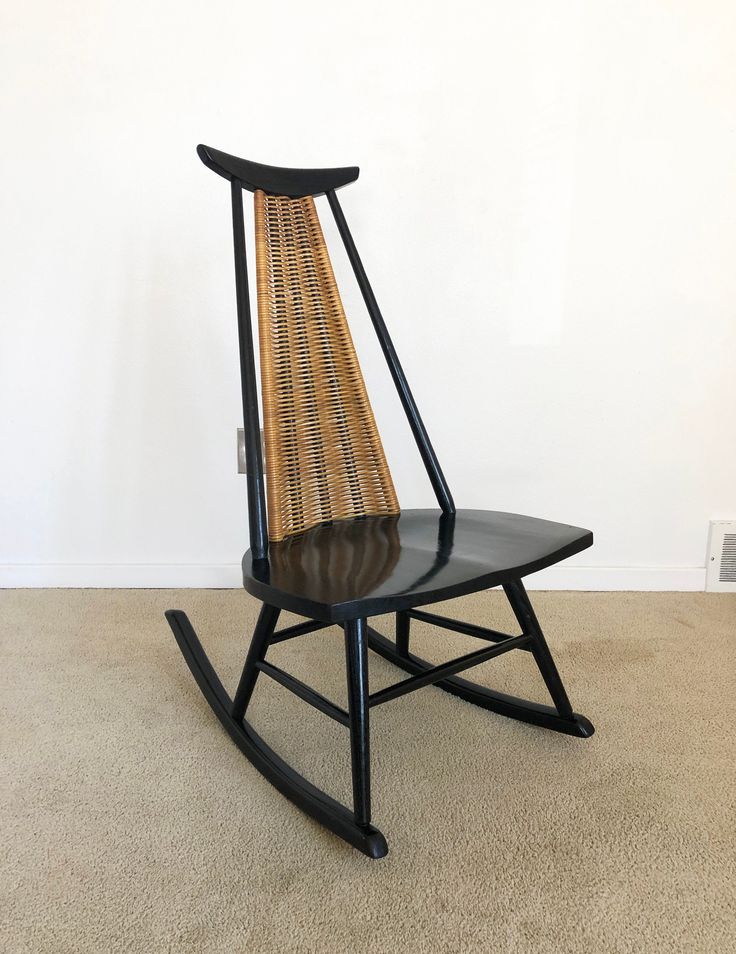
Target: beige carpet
131, 823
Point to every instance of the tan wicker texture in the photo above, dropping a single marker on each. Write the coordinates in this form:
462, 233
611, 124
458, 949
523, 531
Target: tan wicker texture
324, 457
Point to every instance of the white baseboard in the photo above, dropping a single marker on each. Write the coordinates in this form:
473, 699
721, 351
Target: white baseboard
227, 575
123, 575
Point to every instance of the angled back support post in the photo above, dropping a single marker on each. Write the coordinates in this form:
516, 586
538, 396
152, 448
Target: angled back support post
426, 451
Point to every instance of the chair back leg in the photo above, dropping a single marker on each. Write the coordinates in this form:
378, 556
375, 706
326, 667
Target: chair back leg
356, 656
527, 619
403, 622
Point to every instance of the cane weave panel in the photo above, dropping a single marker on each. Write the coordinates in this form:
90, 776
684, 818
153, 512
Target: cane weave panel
324, 457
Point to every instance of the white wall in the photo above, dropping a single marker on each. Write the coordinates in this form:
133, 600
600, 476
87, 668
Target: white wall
547, 209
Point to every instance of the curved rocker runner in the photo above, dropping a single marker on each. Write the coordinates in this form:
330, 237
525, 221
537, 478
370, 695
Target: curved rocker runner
329, 541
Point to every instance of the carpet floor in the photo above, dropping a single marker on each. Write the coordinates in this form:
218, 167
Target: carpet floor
131, 823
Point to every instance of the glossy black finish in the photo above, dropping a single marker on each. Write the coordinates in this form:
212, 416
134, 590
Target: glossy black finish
251, 418
403, 624
458, 626
438, 673
517, 597
301, 629
372, 565
307, 797
305, 692
426, 451
356, 657
265, 626
273, 179
522, 710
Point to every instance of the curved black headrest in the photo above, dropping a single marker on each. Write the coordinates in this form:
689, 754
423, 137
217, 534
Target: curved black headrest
292, 182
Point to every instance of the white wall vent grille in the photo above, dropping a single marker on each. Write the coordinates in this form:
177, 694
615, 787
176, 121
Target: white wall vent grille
720, 568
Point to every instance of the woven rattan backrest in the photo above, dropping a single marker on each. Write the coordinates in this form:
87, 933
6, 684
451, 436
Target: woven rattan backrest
324, 457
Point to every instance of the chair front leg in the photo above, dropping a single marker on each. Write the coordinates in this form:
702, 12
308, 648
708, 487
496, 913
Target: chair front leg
356, 655
265, 626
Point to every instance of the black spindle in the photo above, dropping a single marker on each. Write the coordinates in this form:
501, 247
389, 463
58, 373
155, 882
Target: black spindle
431, 464
251, 417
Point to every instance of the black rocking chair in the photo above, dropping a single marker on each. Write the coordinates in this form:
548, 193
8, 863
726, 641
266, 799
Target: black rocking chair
332, 545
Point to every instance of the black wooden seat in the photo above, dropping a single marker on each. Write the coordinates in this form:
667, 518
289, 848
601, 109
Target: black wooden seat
373, 565
329, 541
